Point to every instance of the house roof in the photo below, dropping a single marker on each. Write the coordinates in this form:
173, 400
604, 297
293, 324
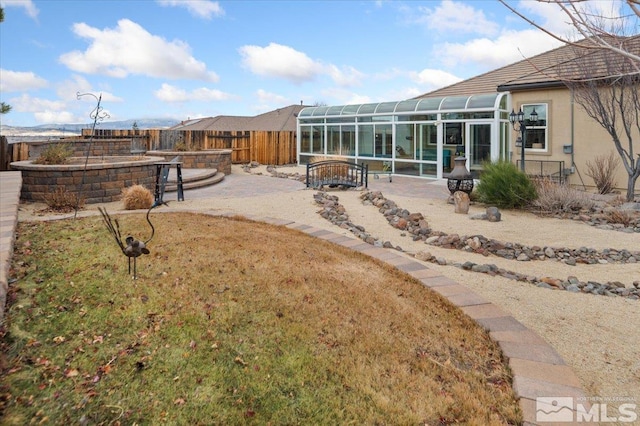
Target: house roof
543, 70
276, 120
576, 63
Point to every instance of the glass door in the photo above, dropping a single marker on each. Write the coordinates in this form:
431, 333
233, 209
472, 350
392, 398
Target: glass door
478, 146
428, 149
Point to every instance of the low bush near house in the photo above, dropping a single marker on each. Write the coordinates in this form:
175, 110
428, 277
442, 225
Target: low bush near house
555, 198
504, 186
602, 170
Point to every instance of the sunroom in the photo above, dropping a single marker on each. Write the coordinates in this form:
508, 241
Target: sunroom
415, 137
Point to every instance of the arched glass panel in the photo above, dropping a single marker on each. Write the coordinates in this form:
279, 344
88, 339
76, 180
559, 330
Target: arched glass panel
406, 106
335, 110
429, 104
350, 109
320, 111
386, 107
454, 102
503, 101
306, 112
367, 109
482, 101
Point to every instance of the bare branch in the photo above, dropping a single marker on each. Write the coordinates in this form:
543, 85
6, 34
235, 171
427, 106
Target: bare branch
589, 26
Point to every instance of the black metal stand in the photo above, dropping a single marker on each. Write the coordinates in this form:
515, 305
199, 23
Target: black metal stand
162, 176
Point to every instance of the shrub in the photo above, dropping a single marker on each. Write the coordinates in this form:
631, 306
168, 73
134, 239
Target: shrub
55, 153
503, 185
556, 198
62, 200
137, 197
624, 217
180, 146
602, 171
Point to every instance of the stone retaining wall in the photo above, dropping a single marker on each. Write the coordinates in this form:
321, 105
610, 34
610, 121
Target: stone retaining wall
219, 159
100, 183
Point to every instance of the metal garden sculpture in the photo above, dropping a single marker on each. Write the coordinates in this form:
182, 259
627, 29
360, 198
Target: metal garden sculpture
130, 247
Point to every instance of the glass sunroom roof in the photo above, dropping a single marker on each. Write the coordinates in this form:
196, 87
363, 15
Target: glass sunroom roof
438, 104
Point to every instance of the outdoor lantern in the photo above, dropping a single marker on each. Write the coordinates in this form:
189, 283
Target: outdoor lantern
460, 179
518, 118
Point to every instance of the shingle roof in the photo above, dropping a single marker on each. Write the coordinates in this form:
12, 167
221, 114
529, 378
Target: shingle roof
542, 69
281, 119
579, 63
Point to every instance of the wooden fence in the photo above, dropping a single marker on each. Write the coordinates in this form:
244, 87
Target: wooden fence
265, 147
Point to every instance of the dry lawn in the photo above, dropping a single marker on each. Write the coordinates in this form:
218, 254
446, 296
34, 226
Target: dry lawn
230, 322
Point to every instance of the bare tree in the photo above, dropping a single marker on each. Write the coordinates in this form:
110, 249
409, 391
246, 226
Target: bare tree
604, 74
592, 25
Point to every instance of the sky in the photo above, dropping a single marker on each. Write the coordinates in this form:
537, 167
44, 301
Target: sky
186, 59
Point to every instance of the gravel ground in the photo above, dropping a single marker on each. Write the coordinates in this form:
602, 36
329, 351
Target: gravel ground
597, 335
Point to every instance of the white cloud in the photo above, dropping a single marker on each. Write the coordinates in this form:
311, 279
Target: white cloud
545, 14
56, 116
30, 8
339, 96
509, 47
456, 17
605, 13
200, 8
277, 60
267, 101
18, 81
346, 77
411, 92
169, 93
432, 79
130, 49
68, 90
265, 97
26, 103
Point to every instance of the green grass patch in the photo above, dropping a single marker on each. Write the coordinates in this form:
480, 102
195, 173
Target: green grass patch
234, 322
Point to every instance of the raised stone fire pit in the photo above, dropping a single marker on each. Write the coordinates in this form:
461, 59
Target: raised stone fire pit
102, 182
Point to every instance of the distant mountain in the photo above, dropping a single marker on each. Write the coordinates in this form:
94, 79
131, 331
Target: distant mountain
58, 131
143, 123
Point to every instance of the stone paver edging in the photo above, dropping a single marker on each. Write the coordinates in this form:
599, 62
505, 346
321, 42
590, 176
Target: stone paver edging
538, 370
10, 185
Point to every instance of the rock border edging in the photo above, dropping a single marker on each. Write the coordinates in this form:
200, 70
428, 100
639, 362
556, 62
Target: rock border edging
415, 225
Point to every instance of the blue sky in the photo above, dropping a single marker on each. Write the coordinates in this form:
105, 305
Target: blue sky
184, 59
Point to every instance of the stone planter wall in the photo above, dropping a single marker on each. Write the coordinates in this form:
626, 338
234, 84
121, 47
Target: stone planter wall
103, 181
206, 159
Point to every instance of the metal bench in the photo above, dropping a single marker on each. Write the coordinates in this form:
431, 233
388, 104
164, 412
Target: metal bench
335, 173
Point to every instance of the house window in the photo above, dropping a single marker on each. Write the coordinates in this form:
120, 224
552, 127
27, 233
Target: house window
536, 137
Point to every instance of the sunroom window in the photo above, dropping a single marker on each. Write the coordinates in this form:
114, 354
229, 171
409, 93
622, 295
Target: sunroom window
536, 137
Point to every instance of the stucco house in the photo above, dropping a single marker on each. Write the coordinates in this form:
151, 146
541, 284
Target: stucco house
421, 136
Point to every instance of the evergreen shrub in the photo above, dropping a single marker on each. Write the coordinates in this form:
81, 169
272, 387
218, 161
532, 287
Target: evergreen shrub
503, 185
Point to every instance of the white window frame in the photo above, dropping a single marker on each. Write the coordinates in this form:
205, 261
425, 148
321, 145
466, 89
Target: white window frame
527, 108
